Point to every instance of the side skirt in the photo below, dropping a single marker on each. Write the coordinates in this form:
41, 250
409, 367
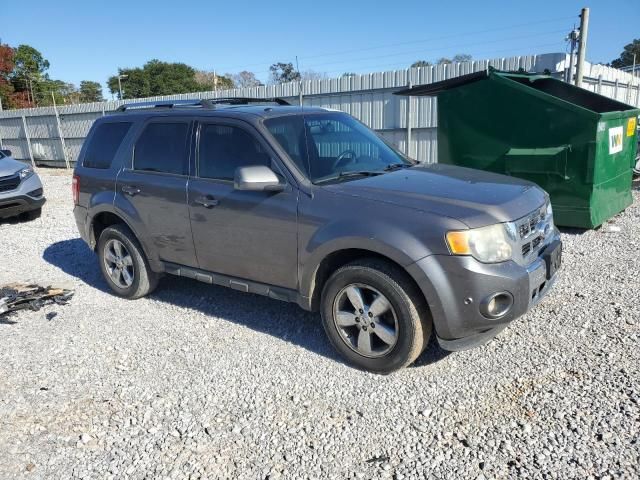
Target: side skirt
241, 284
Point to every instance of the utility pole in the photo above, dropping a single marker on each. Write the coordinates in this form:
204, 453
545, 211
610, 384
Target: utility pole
64, 146
582, 45
121, 77
573, 38
299, 82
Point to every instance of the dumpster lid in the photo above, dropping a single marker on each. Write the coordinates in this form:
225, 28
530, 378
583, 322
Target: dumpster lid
545, 84
437, 87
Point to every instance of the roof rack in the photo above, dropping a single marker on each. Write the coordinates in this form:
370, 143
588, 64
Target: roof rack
206, 103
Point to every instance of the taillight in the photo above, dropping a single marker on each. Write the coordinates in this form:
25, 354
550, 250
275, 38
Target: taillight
75, 189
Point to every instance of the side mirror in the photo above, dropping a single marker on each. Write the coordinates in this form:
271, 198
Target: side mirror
257, 178
6, 153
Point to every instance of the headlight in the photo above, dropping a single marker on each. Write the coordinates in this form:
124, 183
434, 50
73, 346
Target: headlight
487, 244
25, 173
549, 210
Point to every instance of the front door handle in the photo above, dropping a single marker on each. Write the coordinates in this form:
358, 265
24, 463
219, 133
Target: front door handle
130, 190
207, 202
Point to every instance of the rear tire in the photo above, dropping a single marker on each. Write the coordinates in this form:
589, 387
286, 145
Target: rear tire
123, 263
391, 328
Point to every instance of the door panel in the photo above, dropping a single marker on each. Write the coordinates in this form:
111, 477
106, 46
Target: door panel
161, 203
251, 235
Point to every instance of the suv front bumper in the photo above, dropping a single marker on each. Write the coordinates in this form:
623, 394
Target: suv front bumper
27, 197
455, 288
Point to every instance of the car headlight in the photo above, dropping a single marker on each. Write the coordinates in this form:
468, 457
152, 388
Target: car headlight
25, 173
486, 244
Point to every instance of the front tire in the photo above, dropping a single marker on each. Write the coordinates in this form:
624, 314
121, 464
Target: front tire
375, 316
123, 263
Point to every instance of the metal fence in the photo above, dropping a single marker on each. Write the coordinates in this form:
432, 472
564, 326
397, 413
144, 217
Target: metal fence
49, 136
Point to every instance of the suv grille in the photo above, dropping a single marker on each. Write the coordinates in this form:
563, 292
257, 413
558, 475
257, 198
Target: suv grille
9, 183
532, 230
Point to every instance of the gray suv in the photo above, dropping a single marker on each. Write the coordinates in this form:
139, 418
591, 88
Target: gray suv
310, 206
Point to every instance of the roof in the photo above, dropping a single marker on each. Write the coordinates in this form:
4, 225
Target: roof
236, 111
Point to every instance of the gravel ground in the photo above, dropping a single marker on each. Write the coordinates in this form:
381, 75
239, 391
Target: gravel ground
203, 382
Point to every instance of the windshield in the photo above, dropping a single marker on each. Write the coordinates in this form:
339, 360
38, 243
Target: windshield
333, 145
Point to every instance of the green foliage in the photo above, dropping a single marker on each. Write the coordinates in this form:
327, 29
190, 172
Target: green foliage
24, 81
29, 63
421, 63
283, 72
155, 78
626, 57
90, 92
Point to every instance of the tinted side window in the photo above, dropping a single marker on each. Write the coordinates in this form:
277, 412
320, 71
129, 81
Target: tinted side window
224, 148
104, 144
289, 133
162, 147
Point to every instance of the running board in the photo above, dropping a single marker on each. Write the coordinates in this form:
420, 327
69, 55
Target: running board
247, 286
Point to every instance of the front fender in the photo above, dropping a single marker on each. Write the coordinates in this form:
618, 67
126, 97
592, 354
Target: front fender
381, 238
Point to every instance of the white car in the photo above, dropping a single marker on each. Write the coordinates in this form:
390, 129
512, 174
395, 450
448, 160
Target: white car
21, 190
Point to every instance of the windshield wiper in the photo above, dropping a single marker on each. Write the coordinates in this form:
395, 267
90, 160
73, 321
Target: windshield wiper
351, 174
396, 166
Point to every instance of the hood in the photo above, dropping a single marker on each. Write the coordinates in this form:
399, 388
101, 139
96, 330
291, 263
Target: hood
9, 166
474, 197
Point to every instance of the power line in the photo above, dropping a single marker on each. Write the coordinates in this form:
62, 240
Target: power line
448, 47
404, 64
457, 35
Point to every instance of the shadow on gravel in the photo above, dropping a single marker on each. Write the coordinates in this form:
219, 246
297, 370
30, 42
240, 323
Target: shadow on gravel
284, 320
75, 258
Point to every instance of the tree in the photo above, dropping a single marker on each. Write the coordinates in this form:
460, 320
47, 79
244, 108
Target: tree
6, 68
213, 81
29, 68
443, 61
462, 57
626, 57
283, 72
155, 78
90, 92
348, 74
245, 79
421, 63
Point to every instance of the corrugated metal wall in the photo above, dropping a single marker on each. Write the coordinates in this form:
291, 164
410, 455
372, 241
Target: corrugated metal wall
368, 97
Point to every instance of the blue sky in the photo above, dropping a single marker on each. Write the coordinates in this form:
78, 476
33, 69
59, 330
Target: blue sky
89, 40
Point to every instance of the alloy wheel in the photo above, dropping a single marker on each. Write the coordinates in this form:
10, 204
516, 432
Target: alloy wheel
118, 263
366, 320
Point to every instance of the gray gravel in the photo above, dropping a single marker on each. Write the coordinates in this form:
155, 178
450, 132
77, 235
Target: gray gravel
202, 382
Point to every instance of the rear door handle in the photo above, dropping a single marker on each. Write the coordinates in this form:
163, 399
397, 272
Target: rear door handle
130, 190
207, 202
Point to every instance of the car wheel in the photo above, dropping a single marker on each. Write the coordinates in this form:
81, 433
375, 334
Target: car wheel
375, 316
123, 263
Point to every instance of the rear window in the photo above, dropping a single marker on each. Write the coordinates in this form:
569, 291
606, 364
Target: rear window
104, 144
162, 147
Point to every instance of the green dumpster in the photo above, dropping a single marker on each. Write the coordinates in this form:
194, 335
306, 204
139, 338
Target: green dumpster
577, 145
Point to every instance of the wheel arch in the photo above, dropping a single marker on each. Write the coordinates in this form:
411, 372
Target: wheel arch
335, 259
106, 218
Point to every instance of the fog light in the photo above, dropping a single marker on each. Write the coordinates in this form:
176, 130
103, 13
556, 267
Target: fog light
496, 305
